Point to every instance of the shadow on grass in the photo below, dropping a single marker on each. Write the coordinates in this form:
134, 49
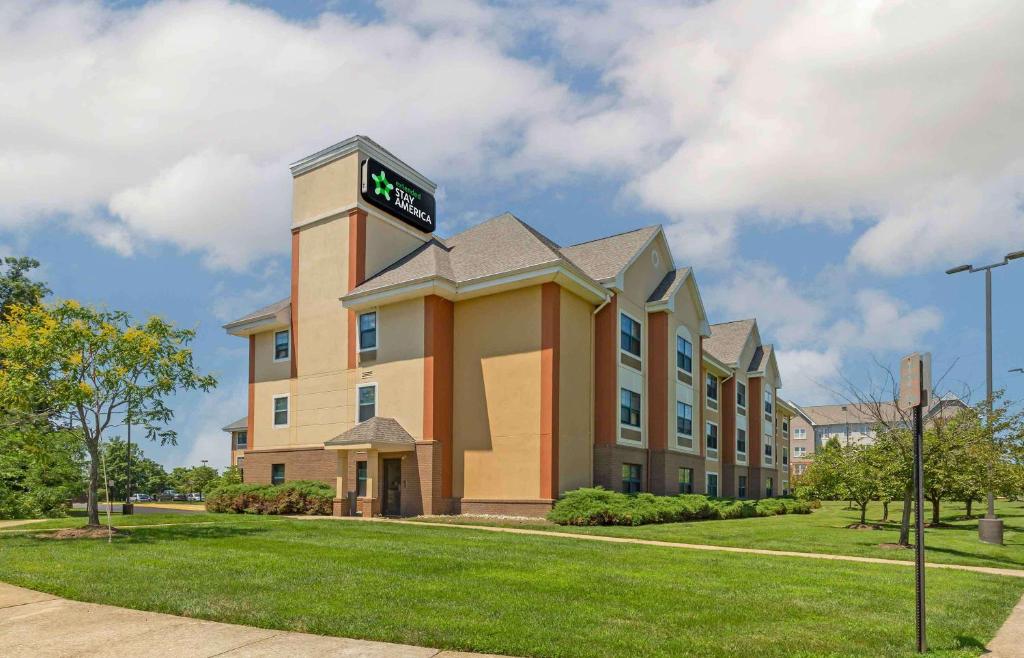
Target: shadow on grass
1005, 561
159, 534
965, 642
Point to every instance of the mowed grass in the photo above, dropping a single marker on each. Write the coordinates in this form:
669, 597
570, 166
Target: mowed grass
77, 519
521, 595
825, 531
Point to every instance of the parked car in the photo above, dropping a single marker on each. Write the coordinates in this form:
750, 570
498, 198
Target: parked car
195, 498
180, 496
140, 498
167, 495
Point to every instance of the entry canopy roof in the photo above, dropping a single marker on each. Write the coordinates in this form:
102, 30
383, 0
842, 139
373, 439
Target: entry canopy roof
383, 434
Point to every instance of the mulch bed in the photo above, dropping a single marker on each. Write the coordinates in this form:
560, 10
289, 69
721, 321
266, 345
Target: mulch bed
865, 526
895, 546
88, 532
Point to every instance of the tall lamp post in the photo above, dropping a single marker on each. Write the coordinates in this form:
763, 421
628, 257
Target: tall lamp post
1020, 370
990, 528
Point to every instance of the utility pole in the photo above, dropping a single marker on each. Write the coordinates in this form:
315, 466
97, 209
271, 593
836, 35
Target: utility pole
990, 528
128, 508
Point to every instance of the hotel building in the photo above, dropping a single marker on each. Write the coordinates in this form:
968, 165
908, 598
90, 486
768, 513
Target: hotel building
494, 370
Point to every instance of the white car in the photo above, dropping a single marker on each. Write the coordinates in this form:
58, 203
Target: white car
195, 498
140, 498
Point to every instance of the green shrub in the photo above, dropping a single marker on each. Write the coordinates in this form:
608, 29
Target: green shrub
299, 497
598, 506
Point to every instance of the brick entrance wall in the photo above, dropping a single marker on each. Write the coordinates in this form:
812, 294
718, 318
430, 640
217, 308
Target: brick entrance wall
299, 464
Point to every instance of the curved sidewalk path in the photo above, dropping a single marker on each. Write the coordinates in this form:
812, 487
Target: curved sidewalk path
995, 571
38, 624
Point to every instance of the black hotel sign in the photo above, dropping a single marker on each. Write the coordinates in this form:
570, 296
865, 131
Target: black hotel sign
397, 195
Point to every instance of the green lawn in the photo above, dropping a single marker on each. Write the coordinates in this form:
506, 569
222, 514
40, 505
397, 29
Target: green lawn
78, 518
522, 595
825, 531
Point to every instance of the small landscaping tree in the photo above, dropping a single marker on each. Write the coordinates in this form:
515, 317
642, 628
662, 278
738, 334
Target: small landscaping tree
85, 366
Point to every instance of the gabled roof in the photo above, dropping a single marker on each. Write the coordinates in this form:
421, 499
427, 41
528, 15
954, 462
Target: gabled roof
502, 245
604, 258
240, 424
376, 430
762, 355
669, 285
728, 339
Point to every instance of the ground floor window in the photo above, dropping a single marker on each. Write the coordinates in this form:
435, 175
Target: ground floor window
686, 480
712, 482
631, 478
768, 487
277, 474
741, 486
361, 479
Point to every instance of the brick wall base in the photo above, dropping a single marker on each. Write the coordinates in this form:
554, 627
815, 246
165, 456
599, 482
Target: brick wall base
537, 508
665, 465
299, 464
608, 461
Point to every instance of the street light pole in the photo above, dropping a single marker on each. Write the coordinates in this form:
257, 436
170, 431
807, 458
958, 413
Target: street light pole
990, 528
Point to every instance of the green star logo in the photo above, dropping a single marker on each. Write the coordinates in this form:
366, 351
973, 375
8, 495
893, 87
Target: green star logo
383, 187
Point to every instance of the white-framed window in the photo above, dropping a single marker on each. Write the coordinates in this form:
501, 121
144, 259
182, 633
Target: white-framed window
799, 433
711, 484
282, 345
767, 450
785, 456
711, 436
769, 398
799, 451
711, 388
280, 410
629, 408
741, 442
741, 395
785, 427
367, 324
630, 332
684, 354
684, 419
366, 402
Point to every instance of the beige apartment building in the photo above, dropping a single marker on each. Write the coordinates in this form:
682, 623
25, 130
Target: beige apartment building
493, 370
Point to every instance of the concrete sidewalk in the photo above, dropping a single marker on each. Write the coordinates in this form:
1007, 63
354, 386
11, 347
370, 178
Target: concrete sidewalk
37, 624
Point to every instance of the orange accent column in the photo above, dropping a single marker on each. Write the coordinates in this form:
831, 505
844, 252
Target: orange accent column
550, 332
755, 411
438, 360
294, 329
250, 421
657, 381
356, 272
606, 354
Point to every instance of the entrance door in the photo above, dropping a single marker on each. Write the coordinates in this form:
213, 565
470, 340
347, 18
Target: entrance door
392, 483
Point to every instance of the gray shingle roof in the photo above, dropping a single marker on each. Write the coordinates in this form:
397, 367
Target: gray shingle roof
374, 430
500, 245
266, 311
760, 359
728, 339
240, 424
669, 285
604, 258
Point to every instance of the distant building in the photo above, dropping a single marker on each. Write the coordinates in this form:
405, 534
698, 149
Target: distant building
853, 424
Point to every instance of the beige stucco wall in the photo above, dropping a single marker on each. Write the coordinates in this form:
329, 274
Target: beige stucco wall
686, 314
575, 453
497, 396
325, 190
266, 435
387, 240
266, 369
398, 368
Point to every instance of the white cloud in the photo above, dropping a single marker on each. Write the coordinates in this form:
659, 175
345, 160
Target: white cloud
882, 322
810, 376
201, 436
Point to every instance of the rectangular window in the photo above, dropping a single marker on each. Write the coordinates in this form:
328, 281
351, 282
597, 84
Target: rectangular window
741, 395
241, 439
684, 354
741, 486
631, 478
711, 436
712, 387
368, 331
240, 462
361, 479
684, 419
282, 345
767, 450
768, 488
712, 482
630, 408
800, 433
798, 451
630, 335
785, 456
281, 411
768, 403
741, 441
785, 428
685, 480
367, 402
277, 474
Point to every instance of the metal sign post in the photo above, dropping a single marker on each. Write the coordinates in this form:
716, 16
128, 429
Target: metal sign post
915, 385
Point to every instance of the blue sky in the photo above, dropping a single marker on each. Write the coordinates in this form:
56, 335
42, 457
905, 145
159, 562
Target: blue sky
819, 166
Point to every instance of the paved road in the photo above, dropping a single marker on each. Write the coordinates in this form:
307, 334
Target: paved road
37, 624
145, 509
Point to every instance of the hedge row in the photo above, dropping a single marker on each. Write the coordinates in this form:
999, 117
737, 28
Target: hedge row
299, 497
599, 506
